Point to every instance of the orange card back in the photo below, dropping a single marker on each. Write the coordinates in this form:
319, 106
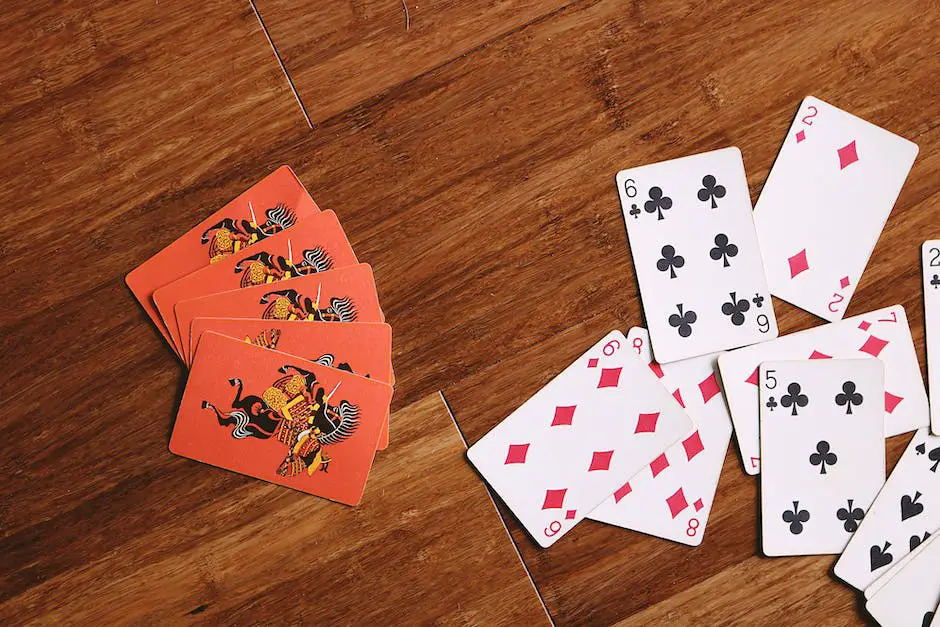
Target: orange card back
278, 202
316, 245
343, 295
362, 348
280, 418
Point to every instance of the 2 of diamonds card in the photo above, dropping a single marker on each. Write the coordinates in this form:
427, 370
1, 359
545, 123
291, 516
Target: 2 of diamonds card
579, 439
883, 334
672, 498
280, 418
277, 202
695, 254
905, 513
931, 267
825, 203
822, 452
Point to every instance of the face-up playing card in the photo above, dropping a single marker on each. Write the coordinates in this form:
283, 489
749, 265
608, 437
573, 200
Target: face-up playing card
317, 245
672, 498
343, 295
579, 439
894, 569
361, 348
280, 418
884, 334
277, 202
825, 204
905, 513
931, 266
695, 254
823, 452
911, 596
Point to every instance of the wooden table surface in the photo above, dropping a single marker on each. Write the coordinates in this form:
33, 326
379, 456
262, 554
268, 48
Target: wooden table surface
469, 149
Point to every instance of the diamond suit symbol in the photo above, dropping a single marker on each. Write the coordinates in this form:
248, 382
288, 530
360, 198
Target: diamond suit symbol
659, 464
693, 445
698, 505
657, 370
800, 136
600, 460
709, 387
563, 415
847, 155
844, 281
677, 394
622, 491
873, 346
647, 423
798, 263
892, 401
554, 499
677, 502
592, 362
819, 355
865, 325
754, 377
570, 514
516, 454
610, 378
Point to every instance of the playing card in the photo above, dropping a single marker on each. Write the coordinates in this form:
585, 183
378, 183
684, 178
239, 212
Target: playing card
280, 418
358, 347
894, 569
911, 597
343, 295
579, 439
823, 452
317, 245
931, 266
825, 203
277, 202
883, 334
695, 254
672, 498
906, 511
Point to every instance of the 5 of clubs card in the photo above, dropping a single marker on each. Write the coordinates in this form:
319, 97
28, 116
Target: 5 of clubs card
822, 452
695, 253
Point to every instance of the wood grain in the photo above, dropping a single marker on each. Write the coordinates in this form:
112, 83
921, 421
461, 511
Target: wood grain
471, 161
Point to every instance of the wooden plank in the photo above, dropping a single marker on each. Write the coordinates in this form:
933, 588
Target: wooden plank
340, 54
425, 546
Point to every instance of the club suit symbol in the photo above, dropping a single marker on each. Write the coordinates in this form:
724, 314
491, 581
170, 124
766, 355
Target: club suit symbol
683, 321
711, 190
848, 397
823, 457
850, 516
794, 398
657, 202
935, 281
735, 309
670, 261
879, 556
723, 249
796, 518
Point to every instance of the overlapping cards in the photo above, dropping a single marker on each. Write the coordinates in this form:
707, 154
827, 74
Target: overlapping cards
635, 431
290, 359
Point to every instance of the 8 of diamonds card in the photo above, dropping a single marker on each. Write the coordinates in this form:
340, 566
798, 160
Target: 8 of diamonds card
695, 253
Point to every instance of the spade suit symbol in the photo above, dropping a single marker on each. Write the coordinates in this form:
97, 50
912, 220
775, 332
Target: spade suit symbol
879, 556
910, 507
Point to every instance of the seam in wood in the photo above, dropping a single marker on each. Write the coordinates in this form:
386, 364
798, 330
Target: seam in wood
515, 546
280, 62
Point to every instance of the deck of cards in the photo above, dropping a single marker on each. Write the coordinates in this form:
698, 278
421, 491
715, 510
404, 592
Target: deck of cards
635, 431
290, 358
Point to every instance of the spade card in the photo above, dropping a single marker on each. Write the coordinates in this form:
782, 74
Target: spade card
672, 497
695, 254
825, 203
911, 596
883, 334
317, 245
280, 418
823, 452
905, 513
579, 439
931, 266
894, 569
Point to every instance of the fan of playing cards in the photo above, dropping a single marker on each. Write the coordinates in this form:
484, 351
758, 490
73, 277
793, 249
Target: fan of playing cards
290, 360
635, 431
